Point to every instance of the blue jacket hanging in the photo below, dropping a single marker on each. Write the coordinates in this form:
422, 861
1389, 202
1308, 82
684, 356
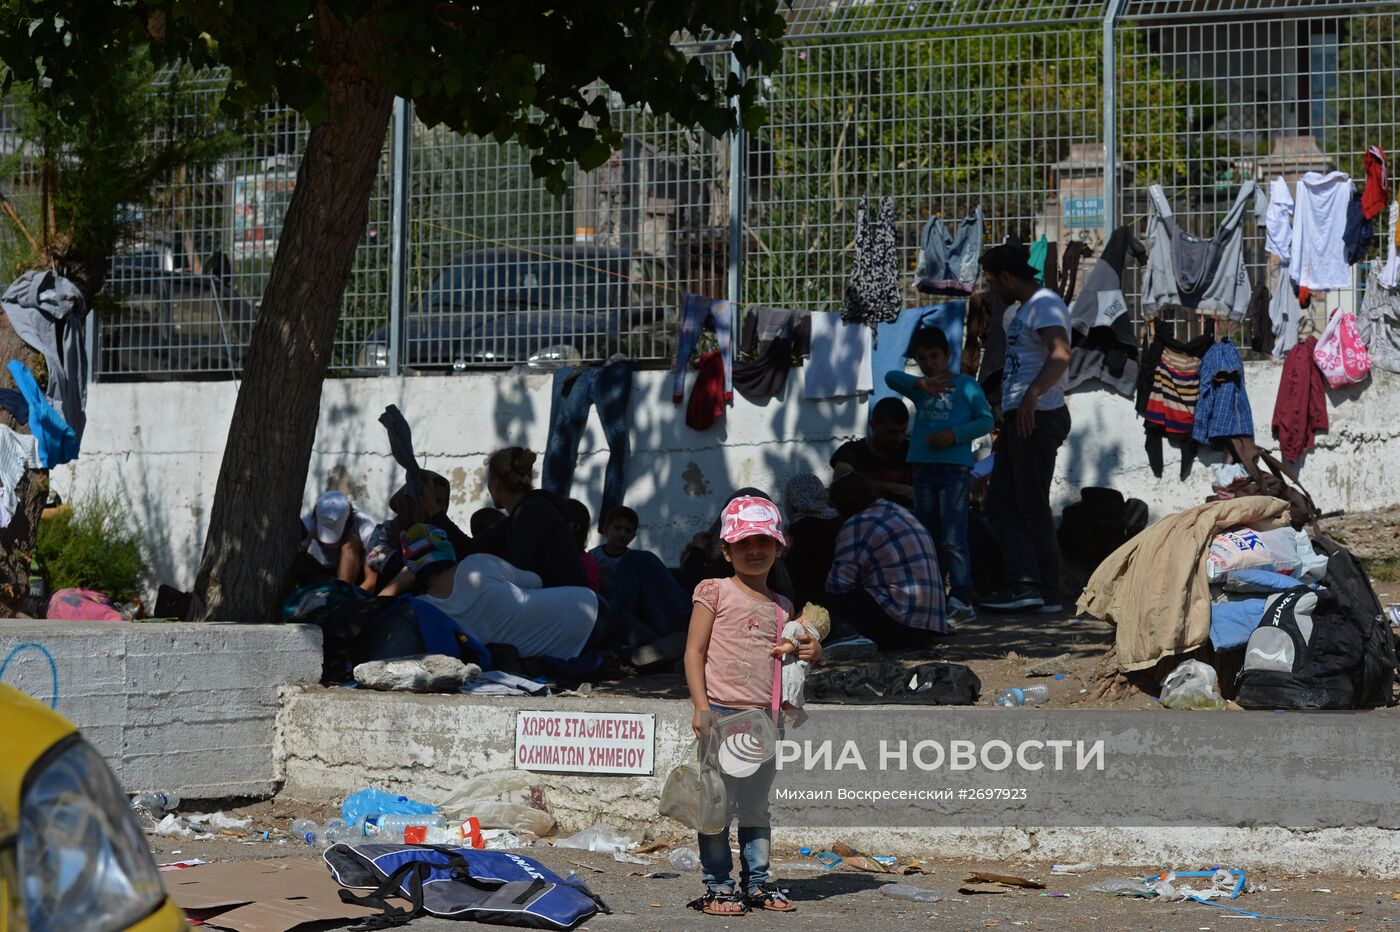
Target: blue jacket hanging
1222, 409
58, 444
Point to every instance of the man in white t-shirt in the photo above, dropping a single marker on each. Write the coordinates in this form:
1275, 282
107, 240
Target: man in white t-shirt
1035, 422
337, 537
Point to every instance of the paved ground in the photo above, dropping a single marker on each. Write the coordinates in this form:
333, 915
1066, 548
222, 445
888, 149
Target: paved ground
846, 901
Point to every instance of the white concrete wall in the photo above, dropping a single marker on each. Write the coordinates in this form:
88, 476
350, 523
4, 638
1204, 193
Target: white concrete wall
184, 707
338, 741
159, 445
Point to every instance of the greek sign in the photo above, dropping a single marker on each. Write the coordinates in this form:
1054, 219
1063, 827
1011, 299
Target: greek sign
585, 742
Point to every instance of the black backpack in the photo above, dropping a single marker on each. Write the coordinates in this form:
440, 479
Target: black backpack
1346, 579
352, 633
1098, 524
1305, 654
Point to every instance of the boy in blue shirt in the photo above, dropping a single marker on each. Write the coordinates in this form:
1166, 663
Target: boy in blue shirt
950, 412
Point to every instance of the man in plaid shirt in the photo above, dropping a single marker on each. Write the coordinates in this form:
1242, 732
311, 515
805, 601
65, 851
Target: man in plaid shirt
885, 579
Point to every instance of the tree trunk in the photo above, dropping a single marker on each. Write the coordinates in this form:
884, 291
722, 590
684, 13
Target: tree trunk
253, 526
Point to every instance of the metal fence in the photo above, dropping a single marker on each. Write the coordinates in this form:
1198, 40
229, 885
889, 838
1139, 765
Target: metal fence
1053, 116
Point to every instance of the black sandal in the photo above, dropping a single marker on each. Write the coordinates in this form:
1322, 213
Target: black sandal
771, 898
706, 904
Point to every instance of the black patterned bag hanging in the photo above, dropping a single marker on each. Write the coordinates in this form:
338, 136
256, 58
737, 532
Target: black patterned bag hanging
873, 293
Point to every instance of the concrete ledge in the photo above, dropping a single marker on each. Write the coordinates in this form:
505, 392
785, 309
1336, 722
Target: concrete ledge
188, 707
338, 741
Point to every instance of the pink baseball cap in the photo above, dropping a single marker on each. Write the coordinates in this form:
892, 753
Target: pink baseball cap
749, 515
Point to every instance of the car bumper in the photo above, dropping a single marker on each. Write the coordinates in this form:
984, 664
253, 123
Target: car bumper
168, 918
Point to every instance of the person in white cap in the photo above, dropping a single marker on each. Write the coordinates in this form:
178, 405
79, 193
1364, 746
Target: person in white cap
337, 536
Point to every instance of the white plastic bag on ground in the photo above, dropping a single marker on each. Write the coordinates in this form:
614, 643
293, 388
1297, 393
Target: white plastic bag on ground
1192, 685
1245, 549
600, 837
510, 799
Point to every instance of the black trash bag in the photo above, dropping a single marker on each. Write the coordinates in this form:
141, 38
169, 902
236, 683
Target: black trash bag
886, 682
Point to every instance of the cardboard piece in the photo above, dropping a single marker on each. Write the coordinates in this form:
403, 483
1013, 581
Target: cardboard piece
273, 895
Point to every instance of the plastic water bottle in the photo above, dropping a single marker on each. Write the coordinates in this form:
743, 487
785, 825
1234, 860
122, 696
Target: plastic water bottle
306, 830
157, 802
334, 832
683, 859
1031, 695
388, 829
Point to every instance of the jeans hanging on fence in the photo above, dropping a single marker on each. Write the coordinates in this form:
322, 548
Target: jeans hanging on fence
575, 390
720, 314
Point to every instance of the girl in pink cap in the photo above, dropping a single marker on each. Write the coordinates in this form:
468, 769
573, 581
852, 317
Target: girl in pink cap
734, 628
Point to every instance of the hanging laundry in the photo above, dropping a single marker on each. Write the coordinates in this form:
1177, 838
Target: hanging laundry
990, 315
1390, 275
771, 337
948, 262
1104, 346
1378, 321
13, 402
1300, 410
695, 313
707, 396
1069, 270
1039, 251
58, 444
891, 347
1222, 408
1207, 275
1359, 233
47, 312
1377, 192
1261, 328
577, 389
18, 452
1319, 223
1340, 354
873, 293
1278, 221
1169, 385
840, 362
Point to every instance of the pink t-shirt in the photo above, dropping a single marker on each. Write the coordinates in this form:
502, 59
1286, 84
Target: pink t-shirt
739, 662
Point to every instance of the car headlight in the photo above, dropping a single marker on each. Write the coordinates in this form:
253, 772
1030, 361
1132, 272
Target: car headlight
374, 356
83, 861
555, 357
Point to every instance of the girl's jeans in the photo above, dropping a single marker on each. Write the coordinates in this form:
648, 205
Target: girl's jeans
748, 798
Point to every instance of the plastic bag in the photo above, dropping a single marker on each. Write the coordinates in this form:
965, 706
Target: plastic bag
1341, 354
694, 794
377, 802
600, 837
1192, 685
1245, 549
511, 799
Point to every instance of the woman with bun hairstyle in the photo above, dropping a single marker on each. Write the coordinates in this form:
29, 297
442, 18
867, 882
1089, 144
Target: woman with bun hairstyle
535, 535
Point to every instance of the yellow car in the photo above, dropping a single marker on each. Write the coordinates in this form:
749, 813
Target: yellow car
72, 856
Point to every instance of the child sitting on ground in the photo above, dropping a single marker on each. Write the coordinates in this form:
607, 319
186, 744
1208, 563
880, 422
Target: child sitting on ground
950, 412
619, 530
729, 668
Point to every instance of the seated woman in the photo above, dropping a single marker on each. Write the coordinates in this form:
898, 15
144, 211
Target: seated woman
427, 506
535, 535
498, 603
812, 528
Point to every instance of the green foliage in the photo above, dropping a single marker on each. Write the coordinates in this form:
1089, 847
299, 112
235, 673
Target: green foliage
942, 122
1366, 98
512, 71
91, 175
92, 546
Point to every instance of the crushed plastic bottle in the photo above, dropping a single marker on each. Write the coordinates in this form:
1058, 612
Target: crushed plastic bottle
907, 891
1015, 696
334, 832
306, 830
156, 803
683, 859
